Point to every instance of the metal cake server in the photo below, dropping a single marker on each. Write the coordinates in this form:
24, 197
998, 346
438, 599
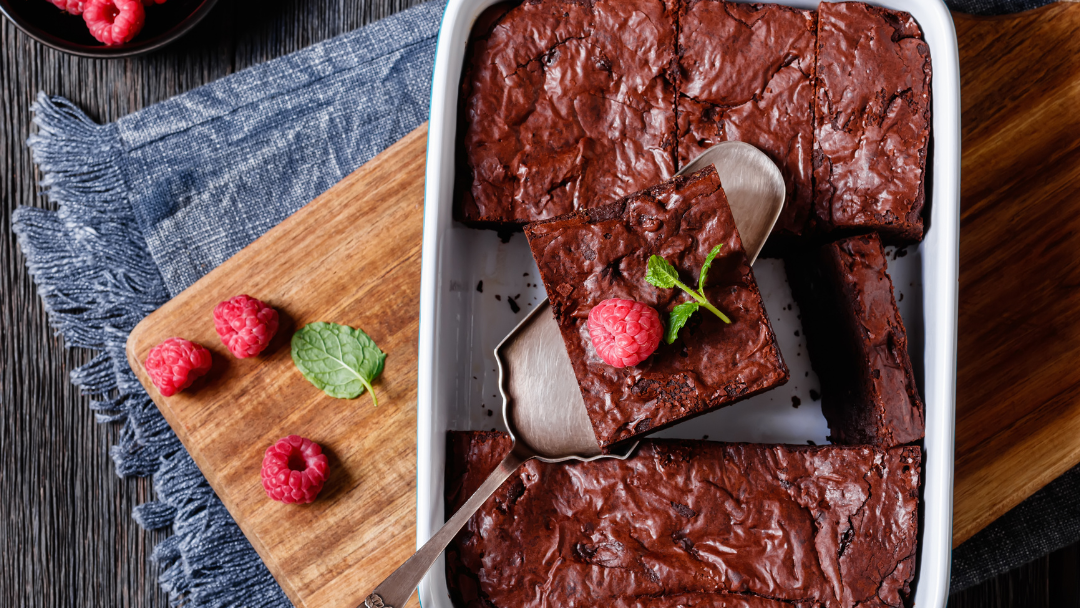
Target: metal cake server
542, 404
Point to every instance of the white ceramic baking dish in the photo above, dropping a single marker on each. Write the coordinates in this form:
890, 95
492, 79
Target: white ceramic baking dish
460, 324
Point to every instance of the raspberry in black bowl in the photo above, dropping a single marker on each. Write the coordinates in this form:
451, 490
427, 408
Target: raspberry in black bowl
106, 28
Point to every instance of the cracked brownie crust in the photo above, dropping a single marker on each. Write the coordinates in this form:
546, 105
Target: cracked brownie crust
687, 523
872, 121
857, 343
593, 255
746, 73
567, 105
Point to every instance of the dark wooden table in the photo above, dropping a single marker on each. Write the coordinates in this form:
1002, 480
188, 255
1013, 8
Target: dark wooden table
66, 533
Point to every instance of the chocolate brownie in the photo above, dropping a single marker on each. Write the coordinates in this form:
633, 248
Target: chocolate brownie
857, 343
705, 523
746, 73
566, 105
589, 256
872, 121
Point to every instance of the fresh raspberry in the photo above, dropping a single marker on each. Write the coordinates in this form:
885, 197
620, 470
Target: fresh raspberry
114, 22
624, 332
75, 7
175, 363
293, 470
245, 325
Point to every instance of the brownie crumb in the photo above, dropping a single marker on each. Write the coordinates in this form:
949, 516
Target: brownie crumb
814, 395
810, 442
795, 401
504, 236
498, 297
480, 287
796, 333
491, 413
513, 304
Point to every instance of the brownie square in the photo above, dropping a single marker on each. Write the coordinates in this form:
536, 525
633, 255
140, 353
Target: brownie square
746, 74
857, 343
589, 256
566, 105
687, 523
872, 121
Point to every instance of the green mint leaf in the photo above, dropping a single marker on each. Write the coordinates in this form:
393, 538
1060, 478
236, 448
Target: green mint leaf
339, 360
660, 273
679, 316
705, 268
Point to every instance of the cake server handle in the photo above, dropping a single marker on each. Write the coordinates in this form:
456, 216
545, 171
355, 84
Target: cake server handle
399, 586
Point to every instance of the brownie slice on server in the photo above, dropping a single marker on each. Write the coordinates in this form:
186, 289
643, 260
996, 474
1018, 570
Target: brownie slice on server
565, 105
872, 121
857, 342
593, 255
746, 74
687, 523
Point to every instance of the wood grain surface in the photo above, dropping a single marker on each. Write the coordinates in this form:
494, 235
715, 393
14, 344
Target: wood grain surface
66, 533
1018, 380
351, 256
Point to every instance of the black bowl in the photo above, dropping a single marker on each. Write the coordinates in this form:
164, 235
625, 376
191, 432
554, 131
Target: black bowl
46, 23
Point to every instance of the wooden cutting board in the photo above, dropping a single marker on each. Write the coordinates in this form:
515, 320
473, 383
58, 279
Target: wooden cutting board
1018, 382
353, 256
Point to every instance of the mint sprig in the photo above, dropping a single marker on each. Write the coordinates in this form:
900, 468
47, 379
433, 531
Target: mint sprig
338, 359
662, 274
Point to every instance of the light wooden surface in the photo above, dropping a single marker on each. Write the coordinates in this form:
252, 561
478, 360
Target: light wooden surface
352, 256
1018, 383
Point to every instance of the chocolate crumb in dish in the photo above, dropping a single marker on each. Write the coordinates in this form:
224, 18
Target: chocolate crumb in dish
857, 343
746, 74
872, 121
687, 523
564, 105
590, 256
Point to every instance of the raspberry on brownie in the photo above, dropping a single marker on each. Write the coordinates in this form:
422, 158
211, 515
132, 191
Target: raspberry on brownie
746, 74
565, 105
624, 332
589, 256
872, 121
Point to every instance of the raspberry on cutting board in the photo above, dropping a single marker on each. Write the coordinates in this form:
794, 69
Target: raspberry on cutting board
245, 325
114, 22
624, 332
294, 470
175, 363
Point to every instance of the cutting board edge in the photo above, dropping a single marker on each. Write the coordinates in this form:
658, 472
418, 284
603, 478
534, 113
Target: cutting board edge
204, 467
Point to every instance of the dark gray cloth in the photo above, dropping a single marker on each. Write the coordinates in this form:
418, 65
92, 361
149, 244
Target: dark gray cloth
149, 204
995, 7
1045, 522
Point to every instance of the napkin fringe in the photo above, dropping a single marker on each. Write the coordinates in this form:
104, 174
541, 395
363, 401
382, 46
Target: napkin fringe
97, 280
